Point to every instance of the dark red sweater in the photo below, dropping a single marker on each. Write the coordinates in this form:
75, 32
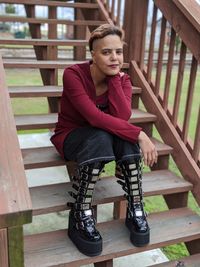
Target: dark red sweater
78, 106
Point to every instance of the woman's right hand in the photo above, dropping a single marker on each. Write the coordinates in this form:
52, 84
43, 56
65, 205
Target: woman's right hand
148, 149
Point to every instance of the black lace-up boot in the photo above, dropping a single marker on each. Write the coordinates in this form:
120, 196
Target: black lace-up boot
81, 228
130, 174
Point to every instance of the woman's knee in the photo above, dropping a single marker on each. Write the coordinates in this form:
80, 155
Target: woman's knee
101, 137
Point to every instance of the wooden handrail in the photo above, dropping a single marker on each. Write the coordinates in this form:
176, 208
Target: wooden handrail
191, 10
15, 202
184, 23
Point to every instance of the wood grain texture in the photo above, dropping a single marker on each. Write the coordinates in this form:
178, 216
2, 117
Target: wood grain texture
3, 248
44, 42
44, 64
42, 121
15, 207
53, 198
54, 248
52, 3
48, 156
16, 246
50, 21
46, 91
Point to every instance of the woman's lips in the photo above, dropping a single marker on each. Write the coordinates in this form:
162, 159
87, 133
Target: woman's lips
114, 66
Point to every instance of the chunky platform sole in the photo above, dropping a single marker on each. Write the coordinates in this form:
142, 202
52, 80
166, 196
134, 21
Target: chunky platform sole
138, 239
87, 247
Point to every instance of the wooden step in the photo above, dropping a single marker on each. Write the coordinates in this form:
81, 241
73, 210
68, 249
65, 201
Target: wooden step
45, 91
52, 3
48, 121
44, 42
48, 157
53, 198
167, 228
43, 64
190, 261
51, 21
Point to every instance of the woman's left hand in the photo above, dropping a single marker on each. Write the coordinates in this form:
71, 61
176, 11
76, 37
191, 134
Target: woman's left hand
148, 149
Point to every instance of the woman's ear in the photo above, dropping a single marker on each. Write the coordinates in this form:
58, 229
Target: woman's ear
93, 56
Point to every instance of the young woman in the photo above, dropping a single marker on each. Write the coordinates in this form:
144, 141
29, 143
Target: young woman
93, 129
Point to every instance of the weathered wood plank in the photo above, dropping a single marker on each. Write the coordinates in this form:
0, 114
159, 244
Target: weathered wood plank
15, 207
46, 91
52, 3
54, 248
50, 21
42, 121
53, 198
48, 157
3, 248
44, 64
44, 42
16, 246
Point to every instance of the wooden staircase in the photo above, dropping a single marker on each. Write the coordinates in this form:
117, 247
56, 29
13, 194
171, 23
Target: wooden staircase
54, 248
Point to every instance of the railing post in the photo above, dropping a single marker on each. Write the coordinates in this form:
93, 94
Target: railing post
3, 248
135, 21
16, 246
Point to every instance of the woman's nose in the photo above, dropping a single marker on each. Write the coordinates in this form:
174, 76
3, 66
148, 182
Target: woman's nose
114, 55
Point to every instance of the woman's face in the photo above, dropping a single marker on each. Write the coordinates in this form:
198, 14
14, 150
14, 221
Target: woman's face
107, 54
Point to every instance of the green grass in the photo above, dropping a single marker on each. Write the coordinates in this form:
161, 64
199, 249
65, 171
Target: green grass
40, 105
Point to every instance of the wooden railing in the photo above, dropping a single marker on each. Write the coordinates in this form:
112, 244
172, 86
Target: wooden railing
180, 30
15, 203
115, 10
163, 43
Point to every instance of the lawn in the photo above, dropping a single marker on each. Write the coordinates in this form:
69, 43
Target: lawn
40, 105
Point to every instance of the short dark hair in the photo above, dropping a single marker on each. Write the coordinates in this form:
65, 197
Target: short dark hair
102, 31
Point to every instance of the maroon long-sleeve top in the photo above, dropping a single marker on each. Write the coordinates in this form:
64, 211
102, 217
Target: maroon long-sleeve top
79, 106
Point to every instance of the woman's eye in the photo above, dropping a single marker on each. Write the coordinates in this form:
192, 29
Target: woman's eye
105, 52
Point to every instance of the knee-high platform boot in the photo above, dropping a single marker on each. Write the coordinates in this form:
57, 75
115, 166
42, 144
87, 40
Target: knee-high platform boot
131, 181
81, 228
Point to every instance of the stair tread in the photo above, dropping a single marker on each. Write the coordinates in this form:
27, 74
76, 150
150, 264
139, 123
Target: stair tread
190, 261
53, 197
43, 42
42, 121
47, 156
45, 91
55, 248
43, 64
52, 3
50, 21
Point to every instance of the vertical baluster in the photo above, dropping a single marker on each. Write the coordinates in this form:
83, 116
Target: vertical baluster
179, 84
151, 45
160, 56
113, 10
193, 73
108, 5
196, 147
118, 12
144, 27
169, 69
